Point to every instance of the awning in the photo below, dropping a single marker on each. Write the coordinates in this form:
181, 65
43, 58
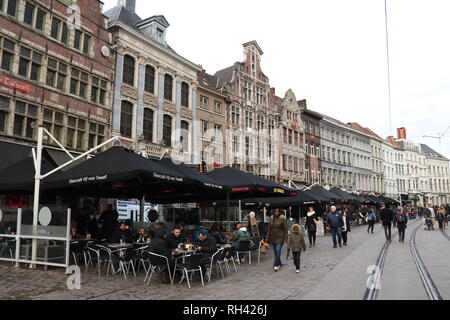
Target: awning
342, 195
117, 172
19, 178
321, 194
12, 153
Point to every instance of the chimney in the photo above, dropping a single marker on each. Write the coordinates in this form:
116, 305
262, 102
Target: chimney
130, 5
401, 133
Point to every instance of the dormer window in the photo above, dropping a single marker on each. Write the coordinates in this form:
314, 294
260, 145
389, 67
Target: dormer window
160, 34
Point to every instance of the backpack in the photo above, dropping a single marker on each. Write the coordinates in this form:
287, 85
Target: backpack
220, 238
401, 218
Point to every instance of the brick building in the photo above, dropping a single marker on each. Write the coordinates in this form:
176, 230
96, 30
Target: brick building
313, 163
56, 71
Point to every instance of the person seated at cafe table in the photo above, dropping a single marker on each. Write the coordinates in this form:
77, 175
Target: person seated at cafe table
141, 236
219, 236
121, 233
159, 245
206, 245
175, 238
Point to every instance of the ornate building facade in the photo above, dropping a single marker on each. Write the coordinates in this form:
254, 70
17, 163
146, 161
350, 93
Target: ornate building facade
55, 71
251, 138
155, 96
292, 138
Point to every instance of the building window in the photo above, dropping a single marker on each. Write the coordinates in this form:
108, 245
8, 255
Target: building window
29, 64
271, 126
168, 87
96, 134
184, 138
54, 122
217, 106
79, 83
236, 145
150, 79
128, 70
86, 43
40, 19
184, 95
59, 31
126, 119
235, 115
148, 124
249, 119
98, 90
56, 74
76, 132
29, 13
167, 130
4, 111
260, 123
7, 49
25, 120
204, 101
204, 127
12, 8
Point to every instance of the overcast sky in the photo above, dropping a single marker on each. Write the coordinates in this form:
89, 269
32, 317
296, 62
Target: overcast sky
332, 53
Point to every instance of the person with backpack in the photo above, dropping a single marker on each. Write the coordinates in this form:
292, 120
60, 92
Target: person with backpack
371, 218
386, 217
400, 222
312, 221
296, 244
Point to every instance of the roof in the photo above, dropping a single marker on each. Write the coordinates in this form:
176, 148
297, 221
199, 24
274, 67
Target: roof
224, 76
330, 119
253, 42
430, 152
360, 128
207, 80
121, 14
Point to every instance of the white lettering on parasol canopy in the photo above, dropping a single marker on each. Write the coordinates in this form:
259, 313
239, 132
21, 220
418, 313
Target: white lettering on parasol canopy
88, 179
166, 177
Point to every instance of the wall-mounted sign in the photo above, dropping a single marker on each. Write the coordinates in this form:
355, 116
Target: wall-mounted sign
10, 83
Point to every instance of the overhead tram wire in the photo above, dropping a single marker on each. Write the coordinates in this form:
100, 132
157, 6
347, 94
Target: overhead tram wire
388, 66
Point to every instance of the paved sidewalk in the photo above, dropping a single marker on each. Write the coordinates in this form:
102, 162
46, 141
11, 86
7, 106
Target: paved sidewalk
256, 281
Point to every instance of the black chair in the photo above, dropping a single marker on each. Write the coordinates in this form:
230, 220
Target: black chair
158, 264
230, 256
218, 259
125, 259
191, 264
244, 247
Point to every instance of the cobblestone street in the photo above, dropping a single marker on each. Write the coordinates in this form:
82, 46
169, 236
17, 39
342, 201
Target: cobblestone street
256, 281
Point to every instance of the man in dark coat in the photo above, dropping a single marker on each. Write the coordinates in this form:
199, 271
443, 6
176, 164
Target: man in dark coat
175, 238
387, 216
122, 233
335, 222
207, 246
108, 220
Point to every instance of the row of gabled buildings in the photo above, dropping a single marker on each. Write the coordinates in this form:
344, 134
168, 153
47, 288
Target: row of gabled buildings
87, 75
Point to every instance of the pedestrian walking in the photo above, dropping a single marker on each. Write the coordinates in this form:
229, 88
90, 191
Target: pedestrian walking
440, 217
371, 217
401, 222
335, 224
346, 227
277, 236
296, 244
387, 216
312, 222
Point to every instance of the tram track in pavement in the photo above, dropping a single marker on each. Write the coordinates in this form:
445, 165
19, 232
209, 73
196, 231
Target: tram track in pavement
446, 236
372, 293
428, 283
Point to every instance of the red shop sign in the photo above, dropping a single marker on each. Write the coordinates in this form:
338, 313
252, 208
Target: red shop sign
8, 82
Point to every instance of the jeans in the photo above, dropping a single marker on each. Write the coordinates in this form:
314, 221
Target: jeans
388, 232
312, 237
277, 247
297, 259
344, 236
401, 234
371, 225
337, 232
